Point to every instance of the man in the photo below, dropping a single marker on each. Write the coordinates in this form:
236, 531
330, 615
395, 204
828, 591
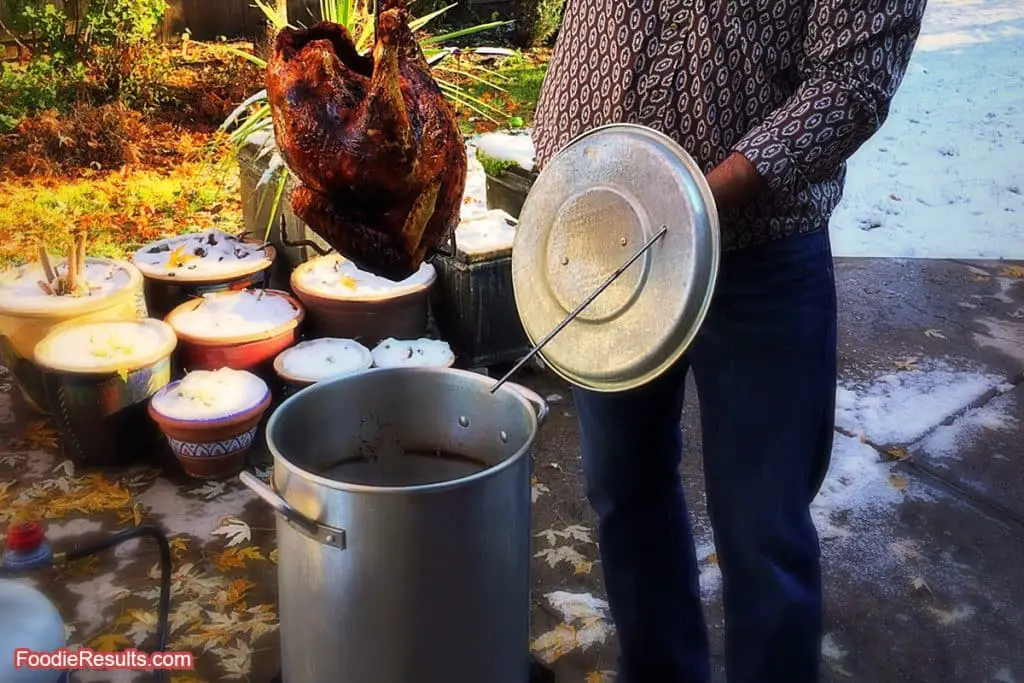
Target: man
771, 97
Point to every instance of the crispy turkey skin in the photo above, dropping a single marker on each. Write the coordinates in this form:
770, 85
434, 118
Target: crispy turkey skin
372, 140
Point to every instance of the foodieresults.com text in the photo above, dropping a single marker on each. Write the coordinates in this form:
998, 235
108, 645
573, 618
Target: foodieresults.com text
84, 658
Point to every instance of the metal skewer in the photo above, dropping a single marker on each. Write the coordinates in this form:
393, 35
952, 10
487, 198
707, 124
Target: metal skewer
579, 309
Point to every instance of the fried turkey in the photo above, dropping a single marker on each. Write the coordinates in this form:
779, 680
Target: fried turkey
372, 140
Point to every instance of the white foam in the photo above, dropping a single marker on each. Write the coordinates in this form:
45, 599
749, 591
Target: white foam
210, 394
317, 359
413, 353
474, 198
198, 256
89, 347
234, 314
486, 233
20, 290
899, 408
335, 277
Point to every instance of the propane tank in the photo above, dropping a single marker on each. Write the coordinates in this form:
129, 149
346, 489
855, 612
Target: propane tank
30, 620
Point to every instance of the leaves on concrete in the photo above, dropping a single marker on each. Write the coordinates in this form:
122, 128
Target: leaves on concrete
235, 530
586, 624
909, 363
897, 482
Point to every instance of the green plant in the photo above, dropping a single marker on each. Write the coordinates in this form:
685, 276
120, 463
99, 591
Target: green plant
493, 166
253, 115
536, 20
41, 84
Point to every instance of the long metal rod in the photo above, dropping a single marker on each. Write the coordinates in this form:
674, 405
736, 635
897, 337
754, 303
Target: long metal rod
579, 309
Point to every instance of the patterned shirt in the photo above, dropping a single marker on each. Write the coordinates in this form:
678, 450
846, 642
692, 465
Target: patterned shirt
796, 86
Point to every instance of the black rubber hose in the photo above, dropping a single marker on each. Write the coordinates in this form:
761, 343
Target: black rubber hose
164, 605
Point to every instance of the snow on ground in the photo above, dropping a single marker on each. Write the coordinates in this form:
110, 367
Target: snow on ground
942, 178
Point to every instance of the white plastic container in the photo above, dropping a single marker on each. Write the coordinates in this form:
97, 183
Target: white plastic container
29, 621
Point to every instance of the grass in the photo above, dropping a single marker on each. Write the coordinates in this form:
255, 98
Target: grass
122, 211
520, 79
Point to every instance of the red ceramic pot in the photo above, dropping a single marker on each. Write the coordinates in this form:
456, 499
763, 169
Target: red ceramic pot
211, 448
248, 351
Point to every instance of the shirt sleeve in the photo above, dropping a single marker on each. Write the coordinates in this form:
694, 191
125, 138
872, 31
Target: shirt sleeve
856, 53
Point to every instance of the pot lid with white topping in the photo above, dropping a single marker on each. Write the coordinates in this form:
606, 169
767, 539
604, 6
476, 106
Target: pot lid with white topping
593, 207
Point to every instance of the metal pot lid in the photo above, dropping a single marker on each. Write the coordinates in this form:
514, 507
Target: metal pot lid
594, 206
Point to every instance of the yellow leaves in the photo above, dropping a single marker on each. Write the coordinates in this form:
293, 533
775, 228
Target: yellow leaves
897, 482
585, 625
349, 282
898, 453
1014, 271
4, 485
179, 258
234, 558
40, 436
179, 547
185, 678
712, 559
235, 530
131, 515
64, 496
273, 556
122, 373
600, 677
109, 642
234, 593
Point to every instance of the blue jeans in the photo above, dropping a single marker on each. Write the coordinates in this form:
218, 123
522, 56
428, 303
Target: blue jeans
764, 364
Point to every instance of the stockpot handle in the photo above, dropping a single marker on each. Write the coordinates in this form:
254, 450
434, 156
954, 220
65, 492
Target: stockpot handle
316, 531
540, 404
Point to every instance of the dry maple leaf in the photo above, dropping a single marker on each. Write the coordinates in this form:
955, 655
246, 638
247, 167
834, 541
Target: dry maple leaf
556, 556
555, 644
1013, 271
897, 482
109, 642
178, 258
39, 435
234, 558
712, 558
909, 363
179, 546
349, 282
273, 556
898, 453
235, 530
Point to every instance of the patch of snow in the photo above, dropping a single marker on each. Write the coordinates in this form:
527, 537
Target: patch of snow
194, 517
514, 147
901, 407
58, 531
941, 179
947, 440
1003, 336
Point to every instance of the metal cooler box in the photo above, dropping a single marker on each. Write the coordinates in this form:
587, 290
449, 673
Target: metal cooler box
473, 303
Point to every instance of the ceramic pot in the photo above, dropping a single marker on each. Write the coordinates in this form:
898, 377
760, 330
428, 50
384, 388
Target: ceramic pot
215, 447
27, 314
100, 402
295, 375
366, 314
254, 352
166, 289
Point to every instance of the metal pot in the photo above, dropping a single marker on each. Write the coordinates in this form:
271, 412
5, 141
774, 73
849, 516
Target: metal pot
403, 501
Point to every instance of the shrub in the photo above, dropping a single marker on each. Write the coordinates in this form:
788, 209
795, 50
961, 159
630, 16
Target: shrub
537, 21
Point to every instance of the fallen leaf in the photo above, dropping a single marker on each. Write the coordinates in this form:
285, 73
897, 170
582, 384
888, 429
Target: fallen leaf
712, 558
349, 282
179, 258
919, 584
600, 677
1014, 271
179, 546
210, 489
109, 642
898, 453
39, 435
67, 467
897, 482
576, 532
934, 334
909, 363
235, 558
566, 554
273, 556
555, 644
537, 489
236, 531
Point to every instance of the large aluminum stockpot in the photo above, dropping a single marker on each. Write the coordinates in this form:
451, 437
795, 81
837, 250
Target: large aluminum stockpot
403, 500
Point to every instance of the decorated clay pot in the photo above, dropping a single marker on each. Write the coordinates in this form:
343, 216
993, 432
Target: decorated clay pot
349, 303
99, 377
211, 418
28, 314
188, 266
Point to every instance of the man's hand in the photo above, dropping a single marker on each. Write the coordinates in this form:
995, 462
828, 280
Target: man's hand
735, 181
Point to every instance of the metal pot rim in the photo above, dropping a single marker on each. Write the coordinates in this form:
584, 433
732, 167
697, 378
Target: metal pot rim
523, 395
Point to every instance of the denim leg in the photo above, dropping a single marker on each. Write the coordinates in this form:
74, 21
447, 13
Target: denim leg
631, 445
765, 367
